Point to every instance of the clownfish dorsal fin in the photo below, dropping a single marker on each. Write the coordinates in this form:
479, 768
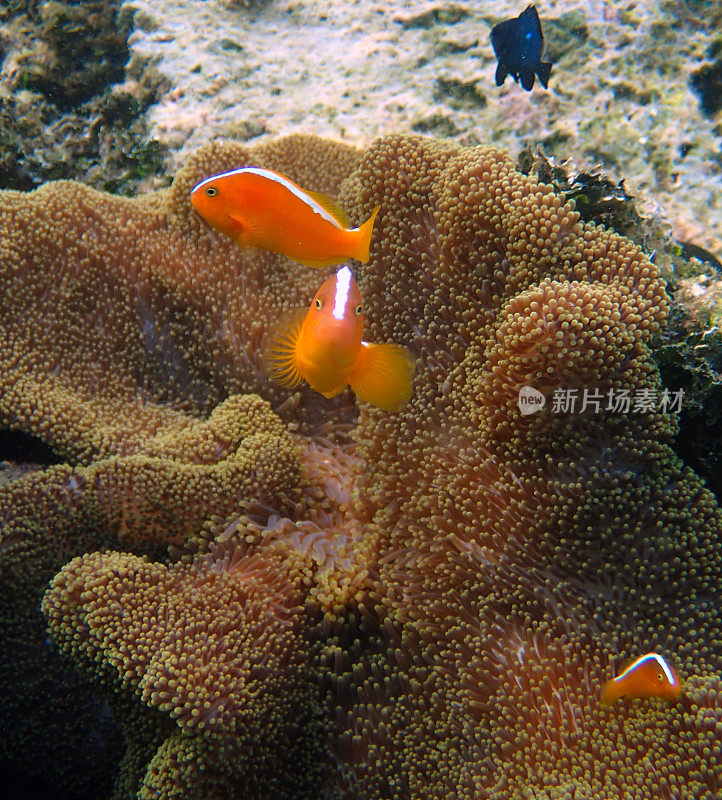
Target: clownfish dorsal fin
628, 663
280, 349
332, 208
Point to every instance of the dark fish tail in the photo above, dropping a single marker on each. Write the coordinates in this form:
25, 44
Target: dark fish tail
527, 79
544, 70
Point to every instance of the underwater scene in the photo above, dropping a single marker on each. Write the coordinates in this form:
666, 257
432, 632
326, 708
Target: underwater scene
361, 399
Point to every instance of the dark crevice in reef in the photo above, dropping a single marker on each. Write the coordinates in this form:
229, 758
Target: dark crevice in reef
707, 81
699, 440
25, 786
703, 454
21, 785
22, 448
689, 357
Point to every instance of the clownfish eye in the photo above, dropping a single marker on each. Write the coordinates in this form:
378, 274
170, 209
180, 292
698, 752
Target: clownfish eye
358, 311
317, 303
660, 677
211, 191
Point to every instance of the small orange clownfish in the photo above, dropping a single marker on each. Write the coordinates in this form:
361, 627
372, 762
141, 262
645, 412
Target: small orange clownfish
324, 347
262, 208
647, 676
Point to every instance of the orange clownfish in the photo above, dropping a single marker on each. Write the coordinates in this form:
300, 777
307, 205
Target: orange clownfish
262, 208
647, 676
324, 347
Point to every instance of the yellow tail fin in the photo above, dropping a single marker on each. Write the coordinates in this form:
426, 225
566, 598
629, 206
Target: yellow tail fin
383, 375
364, 237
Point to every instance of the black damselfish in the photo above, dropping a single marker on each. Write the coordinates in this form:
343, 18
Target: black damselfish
519, 46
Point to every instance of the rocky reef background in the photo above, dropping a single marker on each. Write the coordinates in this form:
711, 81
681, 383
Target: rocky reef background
133, 87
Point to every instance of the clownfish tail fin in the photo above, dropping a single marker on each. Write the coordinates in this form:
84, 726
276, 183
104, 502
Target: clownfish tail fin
279, 351
383, 375
364, 233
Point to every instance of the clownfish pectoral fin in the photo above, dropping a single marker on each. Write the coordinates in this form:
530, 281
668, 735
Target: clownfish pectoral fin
382, 375
243, 231
237, 220
364, 233
279, 353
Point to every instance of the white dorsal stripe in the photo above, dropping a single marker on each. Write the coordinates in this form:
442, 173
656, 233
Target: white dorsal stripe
343, 287
653, 656
317, 208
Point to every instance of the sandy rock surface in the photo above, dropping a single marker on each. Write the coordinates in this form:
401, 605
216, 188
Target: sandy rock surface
620, 95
